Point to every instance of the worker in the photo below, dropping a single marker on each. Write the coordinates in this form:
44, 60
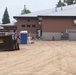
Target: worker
15, 42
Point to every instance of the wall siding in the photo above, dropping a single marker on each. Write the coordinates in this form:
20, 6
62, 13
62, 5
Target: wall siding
48, 35
57, 36
72, 36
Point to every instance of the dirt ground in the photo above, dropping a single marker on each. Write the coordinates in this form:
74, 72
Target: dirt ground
40, 58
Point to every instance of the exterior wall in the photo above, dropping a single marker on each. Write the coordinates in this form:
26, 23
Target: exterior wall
49, 35
72, 36
50, 27
57, 36
57, 24
33, 21
54, 27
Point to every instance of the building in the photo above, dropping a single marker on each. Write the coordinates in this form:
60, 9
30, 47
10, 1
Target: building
9, 26
59, 22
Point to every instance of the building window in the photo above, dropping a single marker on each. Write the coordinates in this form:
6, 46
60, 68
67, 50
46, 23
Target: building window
33, 25
28, 20
74, 22
28, 26
23, 25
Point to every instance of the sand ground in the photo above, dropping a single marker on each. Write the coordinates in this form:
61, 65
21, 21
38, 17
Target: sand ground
40, 58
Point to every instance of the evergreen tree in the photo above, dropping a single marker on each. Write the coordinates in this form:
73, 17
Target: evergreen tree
25, 11
5, 18
60, 3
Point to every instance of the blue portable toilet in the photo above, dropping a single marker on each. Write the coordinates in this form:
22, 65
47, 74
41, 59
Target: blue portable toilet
23, 37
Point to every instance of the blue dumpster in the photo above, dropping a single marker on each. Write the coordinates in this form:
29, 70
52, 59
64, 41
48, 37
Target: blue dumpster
23, 37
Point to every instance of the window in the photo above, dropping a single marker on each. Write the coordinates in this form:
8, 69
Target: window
28, 20
74, 22
28, 26
23, 25
33, 25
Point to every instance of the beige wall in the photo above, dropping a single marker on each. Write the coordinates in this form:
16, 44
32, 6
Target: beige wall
57, 25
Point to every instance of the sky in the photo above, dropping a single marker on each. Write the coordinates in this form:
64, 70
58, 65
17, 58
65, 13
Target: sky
16, 6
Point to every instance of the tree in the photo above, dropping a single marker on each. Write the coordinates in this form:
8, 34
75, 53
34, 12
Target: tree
75, 1
5, 18
60, 3
69, 2
25, 10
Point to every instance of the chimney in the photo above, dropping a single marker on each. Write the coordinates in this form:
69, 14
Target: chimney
61, 8
24, 7
55, 9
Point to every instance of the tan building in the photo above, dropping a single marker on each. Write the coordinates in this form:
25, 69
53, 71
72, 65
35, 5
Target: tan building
51, 22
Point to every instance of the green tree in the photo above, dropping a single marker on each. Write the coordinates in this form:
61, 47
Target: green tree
69, 2
60, 3
5, 18
25, 11
75, 1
